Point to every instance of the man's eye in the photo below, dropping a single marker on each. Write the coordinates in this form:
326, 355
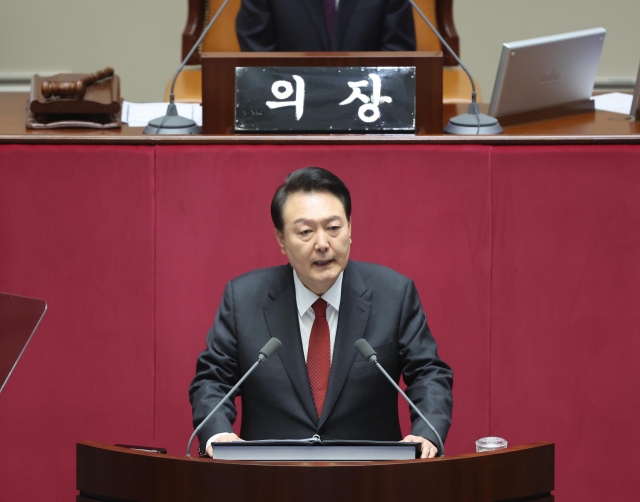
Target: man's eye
305, 232
334, 228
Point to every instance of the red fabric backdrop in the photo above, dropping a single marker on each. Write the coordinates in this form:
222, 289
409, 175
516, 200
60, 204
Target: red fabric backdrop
565, 318
76, 229
526, 260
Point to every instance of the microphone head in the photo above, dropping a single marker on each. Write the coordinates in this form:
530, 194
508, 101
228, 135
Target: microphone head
270, 348
365, 350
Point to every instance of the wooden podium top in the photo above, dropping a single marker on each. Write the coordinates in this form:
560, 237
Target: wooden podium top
588, 128
516, 474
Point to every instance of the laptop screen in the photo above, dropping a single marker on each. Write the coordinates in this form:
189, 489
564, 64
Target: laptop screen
545, 72
635, 104
19, 318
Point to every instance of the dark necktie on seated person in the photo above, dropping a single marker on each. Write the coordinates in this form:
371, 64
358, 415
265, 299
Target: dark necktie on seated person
330, 15
319, 355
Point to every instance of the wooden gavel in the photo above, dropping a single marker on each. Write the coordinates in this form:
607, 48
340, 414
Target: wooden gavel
74, 89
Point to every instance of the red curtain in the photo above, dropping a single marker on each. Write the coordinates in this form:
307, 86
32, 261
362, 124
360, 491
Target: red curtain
526, 260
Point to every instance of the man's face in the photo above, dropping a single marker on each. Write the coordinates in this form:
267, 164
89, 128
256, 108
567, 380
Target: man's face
316, 238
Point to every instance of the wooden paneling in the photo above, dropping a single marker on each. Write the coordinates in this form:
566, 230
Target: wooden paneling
219, 81
524, 472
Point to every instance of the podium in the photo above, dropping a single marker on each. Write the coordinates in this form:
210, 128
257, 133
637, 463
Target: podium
522, 473
219, 84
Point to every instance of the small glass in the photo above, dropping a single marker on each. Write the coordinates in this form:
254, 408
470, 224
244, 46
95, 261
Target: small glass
490, 444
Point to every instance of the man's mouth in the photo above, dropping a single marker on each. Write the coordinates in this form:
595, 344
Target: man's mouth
322, 263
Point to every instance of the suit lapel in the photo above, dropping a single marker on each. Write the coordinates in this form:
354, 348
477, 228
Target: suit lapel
316, 16
282, 321
345, 10
352, 321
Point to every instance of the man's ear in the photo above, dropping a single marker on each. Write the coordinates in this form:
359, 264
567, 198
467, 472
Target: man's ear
280, 239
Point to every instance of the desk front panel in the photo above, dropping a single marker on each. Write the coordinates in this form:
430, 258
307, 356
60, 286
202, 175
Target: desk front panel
524, 258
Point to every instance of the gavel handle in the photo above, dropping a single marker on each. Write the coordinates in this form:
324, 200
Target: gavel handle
99, 75
74, 89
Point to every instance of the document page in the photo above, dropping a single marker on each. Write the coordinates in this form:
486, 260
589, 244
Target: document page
139, 114
615, 102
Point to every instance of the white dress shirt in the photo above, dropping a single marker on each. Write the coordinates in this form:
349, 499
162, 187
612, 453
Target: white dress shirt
305, 298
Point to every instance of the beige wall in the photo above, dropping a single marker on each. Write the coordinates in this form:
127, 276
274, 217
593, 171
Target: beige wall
141, 38
484, 25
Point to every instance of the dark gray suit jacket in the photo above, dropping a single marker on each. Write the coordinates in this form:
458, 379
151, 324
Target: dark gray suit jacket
299, 25
378, 304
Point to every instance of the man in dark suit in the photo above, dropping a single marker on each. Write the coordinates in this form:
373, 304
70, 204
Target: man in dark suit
319, 306
325, 25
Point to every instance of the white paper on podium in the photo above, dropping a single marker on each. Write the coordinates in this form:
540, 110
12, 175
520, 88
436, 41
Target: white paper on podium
615, 102
139, 114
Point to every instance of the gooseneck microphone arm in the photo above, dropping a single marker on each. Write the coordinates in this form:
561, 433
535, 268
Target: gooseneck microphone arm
195, 46
448, 47
171, 122
265, 353
472, 122
366, 351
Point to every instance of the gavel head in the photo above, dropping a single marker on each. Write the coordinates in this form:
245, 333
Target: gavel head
46, 89
81, 89
75, 89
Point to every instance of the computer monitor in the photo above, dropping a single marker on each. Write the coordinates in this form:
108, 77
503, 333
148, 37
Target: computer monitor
19, 318
546, 72
635, 104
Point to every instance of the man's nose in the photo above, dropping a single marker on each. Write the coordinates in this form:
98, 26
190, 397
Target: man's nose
322, 243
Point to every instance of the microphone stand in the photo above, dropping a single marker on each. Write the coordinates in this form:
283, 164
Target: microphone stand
367, 352
266, 352
172, 123
222, 401
406, 398
472, 122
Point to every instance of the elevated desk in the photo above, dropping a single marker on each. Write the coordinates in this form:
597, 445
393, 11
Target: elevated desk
588, 128
524, 248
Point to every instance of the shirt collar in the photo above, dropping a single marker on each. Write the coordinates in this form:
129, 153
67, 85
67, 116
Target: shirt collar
305, 297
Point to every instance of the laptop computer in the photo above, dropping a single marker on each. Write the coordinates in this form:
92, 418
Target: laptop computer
19, 318
546, 72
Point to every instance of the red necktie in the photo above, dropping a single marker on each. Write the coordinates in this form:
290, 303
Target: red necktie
319, 355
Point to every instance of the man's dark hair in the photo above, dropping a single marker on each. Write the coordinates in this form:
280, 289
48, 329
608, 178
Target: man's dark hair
308, 180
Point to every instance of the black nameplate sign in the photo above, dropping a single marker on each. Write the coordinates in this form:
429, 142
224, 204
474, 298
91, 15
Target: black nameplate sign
326, 99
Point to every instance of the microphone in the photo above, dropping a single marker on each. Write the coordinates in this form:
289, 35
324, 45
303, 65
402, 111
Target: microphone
172, 123
266, 352
366, 351
472, 122
270, 348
